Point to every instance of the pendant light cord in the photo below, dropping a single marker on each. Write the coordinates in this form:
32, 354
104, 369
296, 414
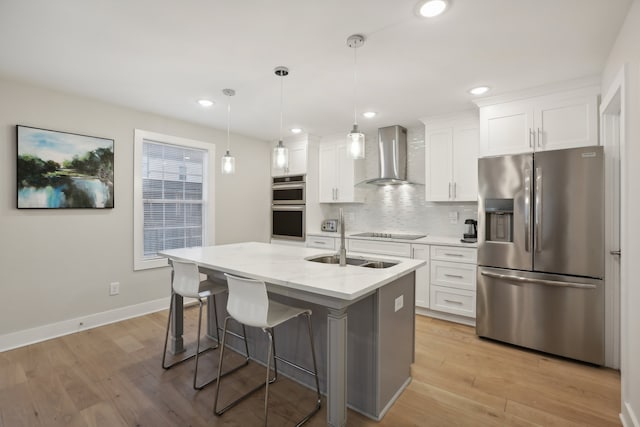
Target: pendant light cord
281, 102
355, 85
228, 124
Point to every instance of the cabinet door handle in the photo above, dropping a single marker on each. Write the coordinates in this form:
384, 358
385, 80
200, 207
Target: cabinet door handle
455, 190
449, 191
458, 255
455, 276
319, 243
337, 194
451, 301
531, 134
539, 138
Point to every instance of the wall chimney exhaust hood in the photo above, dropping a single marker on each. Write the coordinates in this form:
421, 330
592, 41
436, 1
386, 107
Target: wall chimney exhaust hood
392, 151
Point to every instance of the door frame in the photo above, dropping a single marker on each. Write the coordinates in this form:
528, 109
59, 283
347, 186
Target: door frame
612, 136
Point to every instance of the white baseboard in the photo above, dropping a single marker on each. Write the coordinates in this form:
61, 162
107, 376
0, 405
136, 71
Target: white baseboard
628, 416
66, 327
469, 321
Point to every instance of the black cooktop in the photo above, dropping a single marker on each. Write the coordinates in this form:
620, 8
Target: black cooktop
390, 236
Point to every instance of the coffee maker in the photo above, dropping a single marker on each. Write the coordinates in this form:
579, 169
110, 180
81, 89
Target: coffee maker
471, 231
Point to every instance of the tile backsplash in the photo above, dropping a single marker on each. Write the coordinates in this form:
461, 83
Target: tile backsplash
402, 208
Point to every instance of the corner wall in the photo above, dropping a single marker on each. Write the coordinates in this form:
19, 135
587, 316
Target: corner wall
57, 264
625, 52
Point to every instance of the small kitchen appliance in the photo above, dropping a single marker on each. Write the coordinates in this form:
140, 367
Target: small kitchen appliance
471, 231
329, 225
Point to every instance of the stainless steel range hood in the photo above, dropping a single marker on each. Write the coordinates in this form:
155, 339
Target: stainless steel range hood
392, 149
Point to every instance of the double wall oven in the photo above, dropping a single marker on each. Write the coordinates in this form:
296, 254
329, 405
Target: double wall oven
288, 209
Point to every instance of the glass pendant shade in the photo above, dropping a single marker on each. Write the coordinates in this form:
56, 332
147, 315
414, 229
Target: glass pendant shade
228, 166
280, 156
355, 139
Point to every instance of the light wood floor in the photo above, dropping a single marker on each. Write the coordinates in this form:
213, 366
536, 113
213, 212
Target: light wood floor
111, 376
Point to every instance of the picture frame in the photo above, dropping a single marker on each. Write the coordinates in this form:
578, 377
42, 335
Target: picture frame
62, 170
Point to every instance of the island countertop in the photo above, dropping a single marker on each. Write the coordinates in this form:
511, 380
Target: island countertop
287, 266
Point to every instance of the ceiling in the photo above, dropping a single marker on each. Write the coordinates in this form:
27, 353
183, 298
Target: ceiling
161, 56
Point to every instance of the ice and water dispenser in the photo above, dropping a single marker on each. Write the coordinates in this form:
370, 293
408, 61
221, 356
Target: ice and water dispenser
499, 220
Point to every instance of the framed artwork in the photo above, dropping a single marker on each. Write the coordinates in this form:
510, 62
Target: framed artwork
63, 170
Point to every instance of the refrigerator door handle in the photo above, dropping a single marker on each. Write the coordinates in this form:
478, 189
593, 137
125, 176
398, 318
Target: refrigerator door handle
538, 281
537, 243
527, 208
539, 138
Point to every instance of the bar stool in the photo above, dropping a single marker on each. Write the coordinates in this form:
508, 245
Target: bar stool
186, 283
249, 304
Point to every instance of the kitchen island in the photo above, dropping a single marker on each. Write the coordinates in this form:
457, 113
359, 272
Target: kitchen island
370, 355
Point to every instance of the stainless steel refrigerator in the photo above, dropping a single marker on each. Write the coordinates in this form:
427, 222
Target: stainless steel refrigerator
541, 251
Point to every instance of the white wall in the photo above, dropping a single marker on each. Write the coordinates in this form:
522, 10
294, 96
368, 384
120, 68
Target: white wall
57, 264
626, 51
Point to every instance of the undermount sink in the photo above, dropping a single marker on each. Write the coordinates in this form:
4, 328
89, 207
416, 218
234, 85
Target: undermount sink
359, 262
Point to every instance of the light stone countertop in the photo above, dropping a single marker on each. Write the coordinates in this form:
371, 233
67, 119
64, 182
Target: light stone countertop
286, 266
429, 240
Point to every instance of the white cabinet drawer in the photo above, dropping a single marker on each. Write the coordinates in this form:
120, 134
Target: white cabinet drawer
382, 248
454, 274
455, 301
321, 242
454, 253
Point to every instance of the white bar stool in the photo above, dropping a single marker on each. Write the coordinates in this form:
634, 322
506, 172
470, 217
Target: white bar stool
249, 304
186, 283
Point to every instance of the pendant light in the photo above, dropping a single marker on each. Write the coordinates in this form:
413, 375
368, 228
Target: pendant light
355, 138
228, 166
280, 152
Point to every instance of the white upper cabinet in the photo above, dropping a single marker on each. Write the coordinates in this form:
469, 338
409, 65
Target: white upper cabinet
338, 173
297, 158
561, 120
451, 157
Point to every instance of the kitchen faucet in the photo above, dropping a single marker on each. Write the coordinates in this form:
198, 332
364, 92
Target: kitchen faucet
342, 253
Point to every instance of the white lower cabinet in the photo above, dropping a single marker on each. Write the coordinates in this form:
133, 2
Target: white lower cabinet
452, 285
422, 275
378, 247
321, 242
455, 301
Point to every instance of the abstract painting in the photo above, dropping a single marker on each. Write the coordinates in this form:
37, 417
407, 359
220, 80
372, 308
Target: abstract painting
63, 170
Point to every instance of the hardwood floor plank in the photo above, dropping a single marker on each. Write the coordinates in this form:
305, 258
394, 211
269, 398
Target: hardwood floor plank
11, 374
102, 414
112, 376
17, 408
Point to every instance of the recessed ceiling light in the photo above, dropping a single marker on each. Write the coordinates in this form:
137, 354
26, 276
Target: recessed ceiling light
296, 130
205, 102
431, 8
369, 114
480, 90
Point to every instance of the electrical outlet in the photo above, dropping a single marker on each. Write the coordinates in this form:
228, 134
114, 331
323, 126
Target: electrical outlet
399, 302
453, 217
114, 288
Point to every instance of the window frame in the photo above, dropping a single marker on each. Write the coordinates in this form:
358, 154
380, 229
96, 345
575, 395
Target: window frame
208, 193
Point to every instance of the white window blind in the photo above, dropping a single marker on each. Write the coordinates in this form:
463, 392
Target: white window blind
173, 196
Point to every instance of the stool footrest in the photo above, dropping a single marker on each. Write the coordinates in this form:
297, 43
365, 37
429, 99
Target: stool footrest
244, 396
290, 363
191, 356
215, 378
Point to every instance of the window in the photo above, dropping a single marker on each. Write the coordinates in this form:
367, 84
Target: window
173, 196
